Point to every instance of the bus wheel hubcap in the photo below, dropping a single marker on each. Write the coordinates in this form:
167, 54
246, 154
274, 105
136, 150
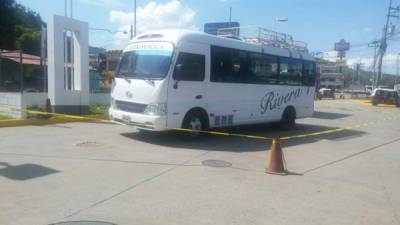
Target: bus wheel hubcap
195, 125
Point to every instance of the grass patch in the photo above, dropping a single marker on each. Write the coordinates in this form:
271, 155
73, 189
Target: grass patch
34, 115
4, 117
98, 109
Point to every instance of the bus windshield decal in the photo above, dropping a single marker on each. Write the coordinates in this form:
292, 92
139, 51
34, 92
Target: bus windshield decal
154, 52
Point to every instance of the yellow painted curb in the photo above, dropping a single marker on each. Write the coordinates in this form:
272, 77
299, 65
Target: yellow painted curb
52, 120
366, 102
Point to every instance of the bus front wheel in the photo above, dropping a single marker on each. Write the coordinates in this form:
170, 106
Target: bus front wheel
194, 123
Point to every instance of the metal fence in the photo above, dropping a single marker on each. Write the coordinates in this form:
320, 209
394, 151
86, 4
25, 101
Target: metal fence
98, 83
21, 72
259, 35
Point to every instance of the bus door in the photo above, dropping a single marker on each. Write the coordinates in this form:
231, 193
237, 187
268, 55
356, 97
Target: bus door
187, 84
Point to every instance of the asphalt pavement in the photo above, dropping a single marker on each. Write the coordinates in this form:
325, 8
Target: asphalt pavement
112, 173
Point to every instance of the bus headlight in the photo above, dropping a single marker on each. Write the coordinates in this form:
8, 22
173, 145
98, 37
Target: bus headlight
156, 109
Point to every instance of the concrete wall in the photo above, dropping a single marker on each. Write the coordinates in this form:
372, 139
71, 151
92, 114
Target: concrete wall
15, 100
18, 101
10, 101
34, 99
100, 99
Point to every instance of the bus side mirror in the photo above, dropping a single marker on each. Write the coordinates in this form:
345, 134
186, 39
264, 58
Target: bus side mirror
178, 73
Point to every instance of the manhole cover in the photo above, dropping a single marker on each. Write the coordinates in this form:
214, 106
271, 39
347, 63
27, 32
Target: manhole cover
83, 223
90, 144
216, 163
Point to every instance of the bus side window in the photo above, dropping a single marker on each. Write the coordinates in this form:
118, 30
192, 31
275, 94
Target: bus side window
291, 71
283, 70
190, 67
228, 65
296, 68
309, 73
263, 69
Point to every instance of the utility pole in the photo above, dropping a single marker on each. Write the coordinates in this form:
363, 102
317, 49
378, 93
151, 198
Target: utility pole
397, 68
135, 18
375, 45
66, 8
392, 12
397, 64
131, 32
230, 15
43, 56
358, 74
71, 8
21, 70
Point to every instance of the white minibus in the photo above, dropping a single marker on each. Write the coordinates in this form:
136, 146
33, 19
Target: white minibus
188, 79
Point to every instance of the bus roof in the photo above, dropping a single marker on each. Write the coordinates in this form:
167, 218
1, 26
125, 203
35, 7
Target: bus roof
178, 35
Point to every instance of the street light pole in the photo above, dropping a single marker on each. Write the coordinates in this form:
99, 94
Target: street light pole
135, 19
278, 19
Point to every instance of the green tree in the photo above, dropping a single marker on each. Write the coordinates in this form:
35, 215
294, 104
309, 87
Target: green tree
27, 40
19, 27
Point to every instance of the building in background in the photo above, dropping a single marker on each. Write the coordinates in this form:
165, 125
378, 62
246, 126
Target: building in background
397, 87
331, 78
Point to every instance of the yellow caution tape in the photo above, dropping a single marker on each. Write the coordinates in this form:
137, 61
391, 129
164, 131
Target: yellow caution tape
336, 130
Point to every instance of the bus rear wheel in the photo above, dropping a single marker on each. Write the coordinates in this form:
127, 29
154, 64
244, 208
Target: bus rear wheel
288, 120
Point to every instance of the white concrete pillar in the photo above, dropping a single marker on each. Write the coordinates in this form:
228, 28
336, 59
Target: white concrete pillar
63, 100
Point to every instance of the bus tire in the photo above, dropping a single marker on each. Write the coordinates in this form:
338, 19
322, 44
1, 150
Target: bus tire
195, 120
288, 120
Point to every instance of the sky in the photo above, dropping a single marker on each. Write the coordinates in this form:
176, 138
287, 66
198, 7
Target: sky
320, 23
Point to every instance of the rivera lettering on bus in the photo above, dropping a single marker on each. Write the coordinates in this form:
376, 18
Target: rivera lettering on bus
272, 100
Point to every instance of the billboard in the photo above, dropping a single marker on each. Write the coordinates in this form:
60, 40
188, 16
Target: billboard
212, 28
342, 46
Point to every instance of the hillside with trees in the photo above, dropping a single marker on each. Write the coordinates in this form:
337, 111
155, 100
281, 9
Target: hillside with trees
20, 28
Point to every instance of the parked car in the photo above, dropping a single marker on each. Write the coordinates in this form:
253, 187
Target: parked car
326, 93
385, 96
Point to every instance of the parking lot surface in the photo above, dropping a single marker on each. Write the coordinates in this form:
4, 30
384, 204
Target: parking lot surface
112, 173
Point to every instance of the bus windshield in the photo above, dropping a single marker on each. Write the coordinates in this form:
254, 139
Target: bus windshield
146, 64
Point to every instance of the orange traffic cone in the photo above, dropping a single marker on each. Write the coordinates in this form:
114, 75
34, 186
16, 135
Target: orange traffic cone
276, 160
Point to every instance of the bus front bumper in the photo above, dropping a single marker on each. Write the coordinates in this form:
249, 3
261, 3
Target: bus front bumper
140, 121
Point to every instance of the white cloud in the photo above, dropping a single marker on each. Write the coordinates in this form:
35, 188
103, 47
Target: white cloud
152, 16
367, 29
389, 63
